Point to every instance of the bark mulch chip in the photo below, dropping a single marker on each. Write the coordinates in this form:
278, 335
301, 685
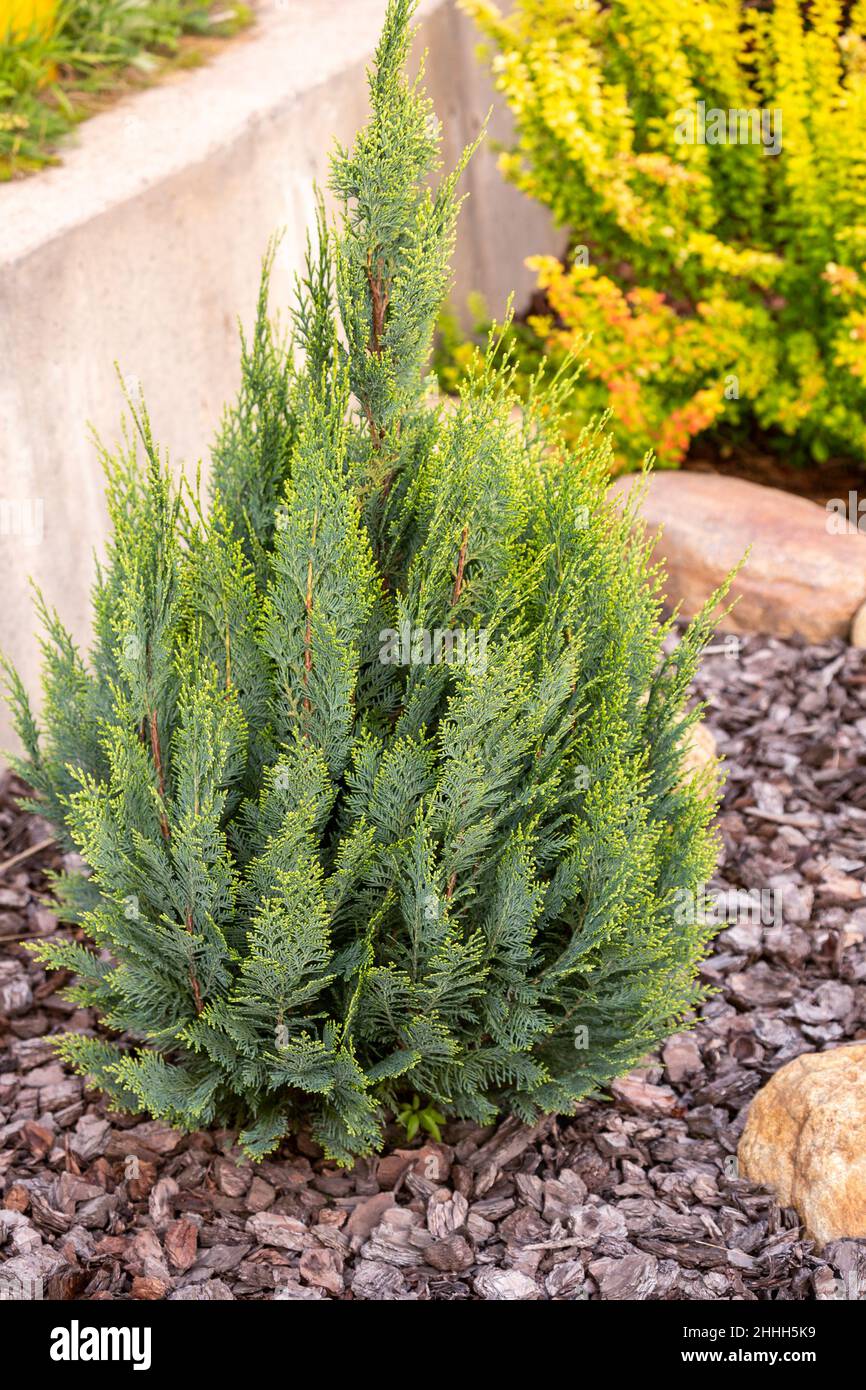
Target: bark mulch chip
636, 1197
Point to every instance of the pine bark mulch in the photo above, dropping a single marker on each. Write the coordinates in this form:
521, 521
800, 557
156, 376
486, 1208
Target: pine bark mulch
635, 1197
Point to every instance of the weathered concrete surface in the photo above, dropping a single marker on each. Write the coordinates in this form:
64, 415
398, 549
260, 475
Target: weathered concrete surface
144, 248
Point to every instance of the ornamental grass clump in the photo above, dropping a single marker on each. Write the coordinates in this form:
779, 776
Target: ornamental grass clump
375, 765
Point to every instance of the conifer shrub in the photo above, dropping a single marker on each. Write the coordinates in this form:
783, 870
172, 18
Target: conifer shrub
58, 61
707, 159
375, 763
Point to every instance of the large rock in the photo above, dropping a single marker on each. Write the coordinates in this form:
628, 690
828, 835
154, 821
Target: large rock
805, 1138
700, 751
799, 578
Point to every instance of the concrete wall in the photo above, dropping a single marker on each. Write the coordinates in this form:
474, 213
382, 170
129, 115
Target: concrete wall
144, 246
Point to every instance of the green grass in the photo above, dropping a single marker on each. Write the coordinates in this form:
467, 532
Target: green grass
50, 82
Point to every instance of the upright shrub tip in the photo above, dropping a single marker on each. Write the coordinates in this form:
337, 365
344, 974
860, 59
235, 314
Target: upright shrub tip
336, 861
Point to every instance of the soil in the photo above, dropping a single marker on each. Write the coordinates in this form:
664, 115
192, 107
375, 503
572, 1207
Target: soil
819, 482
634, 1197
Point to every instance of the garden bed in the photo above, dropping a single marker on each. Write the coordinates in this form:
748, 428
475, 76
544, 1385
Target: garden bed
71, 65
637, 1198
756, 463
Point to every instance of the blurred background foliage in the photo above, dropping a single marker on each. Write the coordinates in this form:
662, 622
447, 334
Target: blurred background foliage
707, 287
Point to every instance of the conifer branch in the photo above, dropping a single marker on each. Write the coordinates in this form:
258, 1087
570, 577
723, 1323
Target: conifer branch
308, 621
429, 869
379, 295
156, 751
193, 978
461, 562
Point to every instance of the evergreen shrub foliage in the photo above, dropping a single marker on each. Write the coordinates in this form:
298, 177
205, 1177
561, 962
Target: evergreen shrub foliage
321, 882
709, 158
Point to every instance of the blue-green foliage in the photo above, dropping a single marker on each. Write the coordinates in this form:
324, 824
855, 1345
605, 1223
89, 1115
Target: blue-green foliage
321, 883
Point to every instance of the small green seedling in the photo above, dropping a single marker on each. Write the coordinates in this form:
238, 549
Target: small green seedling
413, 1119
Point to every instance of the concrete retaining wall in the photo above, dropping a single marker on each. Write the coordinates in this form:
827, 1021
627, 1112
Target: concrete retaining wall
144, 248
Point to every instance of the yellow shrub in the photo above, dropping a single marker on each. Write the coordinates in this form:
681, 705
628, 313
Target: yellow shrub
709, 159
18, 17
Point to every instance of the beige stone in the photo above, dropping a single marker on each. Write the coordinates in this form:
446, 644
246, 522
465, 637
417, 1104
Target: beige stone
857, 637
700, 750
800, 577
805, 1138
